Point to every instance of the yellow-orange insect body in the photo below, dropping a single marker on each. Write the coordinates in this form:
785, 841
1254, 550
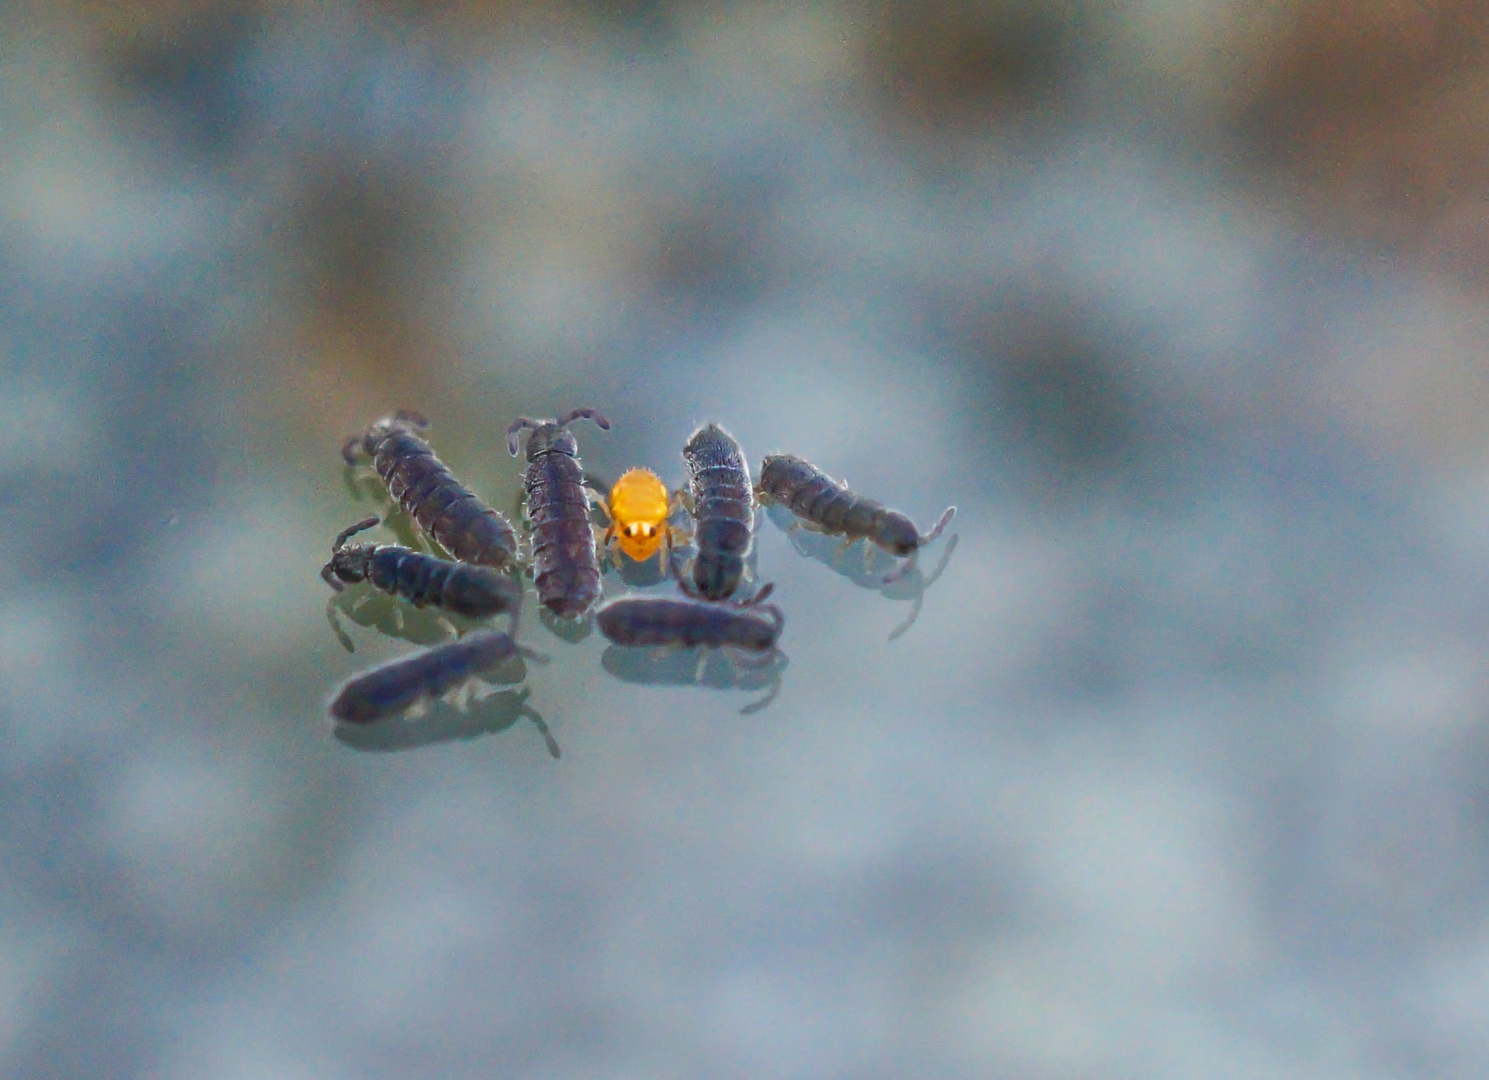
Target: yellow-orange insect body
638, 507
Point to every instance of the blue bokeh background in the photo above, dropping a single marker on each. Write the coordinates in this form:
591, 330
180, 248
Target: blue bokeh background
1181, 771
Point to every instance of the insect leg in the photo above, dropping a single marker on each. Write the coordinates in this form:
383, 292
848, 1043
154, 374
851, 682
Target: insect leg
519, 699
746, 659
463, 694
905, 568
684, 582
923, 586
914, 614
679, 534
610, 535
532, 714
346, 642
837, 556
602, 489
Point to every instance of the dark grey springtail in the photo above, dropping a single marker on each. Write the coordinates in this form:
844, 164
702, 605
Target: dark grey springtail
465, 589
662, 620
419, 482
396, 685
817, 498
723, 506
566, 570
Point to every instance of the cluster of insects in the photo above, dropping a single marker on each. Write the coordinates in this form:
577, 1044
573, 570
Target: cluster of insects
477, 561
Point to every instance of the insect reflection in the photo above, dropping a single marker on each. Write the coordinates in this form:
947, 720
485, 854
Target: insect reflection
832, 507
709, 668
445, 723
390, 617
866, 573
411, 682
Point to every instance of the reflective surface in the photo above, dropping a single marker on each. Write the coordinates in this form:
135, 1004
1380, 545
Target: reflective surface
1179, 770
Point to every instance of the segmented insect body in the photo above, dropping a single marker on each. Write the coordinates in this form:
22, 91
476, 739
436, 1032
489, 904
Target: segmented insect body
419, 482
812, 495
638, 505
396, 685
473, 591
663, 620
723, 510
566, 570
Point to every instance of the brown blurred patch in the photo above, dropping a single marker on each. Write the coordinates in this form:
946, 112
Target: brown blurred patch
360, 237
1373, 119
1375, 113
474, 27
965, 63
152, 21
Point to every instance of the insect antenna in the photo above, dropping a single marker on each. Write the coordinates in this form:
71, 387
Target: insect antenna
936, 528
411, 416
586, 414
350, 531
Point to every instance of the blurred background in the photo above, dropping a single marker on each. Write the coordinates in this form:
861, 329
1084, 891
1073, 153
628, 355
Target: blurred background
1181, 771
